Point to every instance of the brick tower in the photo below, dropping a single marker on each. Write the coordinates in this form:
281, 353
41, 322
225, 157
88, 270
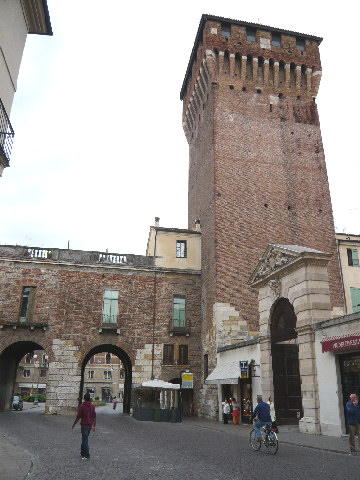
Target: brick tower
257, 170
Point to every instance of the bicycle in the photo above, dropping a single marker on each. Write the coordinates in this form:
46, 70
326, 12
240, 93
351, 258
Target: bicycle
268, 438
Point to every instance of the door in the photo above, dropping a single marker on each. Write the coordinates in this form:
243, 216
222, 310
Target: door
287, 385
350, 377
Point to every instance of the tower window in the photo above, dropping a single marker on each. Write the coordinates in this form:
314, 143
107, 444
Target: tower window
300, 44
250, 35
226, 30
181, 249
275, 40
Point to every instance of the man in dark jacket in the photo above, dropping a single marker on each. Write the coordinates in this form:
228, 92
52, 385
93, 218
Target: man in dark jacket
87, 415
353, 419
262, 411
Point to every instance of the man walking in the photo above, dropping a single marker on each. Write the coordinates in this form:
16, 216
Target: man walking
262, 412
87, 415
353, 418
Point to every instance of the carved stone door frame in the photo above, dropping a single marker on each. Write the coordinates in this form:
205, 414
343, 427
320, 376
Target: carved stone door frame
298, 274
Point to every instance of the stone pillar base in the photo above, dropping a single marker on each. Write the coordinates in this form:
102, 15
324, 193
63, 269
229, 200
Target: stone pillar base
309, 425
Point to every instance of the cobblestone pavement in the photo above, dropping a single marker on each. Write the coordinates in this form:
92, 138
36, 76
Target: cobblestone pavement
125, 449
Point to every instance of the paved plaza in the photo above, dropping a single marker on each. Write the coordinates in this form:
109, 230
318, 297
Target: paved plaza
123, 448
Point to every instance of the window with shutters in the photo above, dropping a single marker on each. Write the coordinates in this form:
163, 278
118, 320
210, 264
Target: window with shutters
168, 355
355, 299
183, 355
27, 304
110, 307
179, 312
353, 259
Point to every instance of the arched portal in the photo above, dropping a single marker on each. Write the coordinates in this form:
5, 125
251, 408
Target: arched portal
285, 362
125, 359
9, 361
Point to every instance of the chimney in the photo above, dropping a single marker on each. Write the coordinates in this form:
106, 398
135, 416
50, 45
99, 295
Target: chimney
197, 225
157, 220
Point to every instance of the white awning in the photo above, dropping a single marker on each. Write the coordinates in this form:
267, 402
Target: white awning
224, 373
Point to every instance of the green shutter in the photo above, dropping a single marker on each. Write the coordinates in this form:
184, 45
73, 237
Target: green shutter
355, 299
355, 257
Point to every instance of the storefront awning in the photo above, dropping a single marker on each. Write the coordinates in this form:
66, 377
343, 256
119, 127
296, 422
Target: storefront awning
224, 373
341, 342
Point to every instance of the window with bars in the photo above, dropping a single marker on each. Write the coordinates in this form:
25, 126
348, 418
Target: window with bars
27, 304
179, 305
110, 306
353, 258
183, 355
168, 355
181, 249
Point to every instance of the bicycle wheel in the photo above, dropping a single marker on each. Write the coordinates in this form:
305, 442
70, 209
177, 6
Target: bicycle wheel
253, 442
272, 444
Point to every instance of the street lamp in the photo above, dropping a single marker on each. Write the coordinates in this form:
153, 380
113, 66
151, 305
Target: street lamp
36, 399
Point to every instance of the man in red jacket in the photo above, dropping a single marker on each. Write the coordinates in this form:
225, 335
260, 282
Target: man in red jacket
88, 420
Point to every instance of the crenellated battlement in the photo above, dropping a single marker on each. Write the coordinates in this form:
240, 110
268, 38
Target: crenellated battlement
249, 58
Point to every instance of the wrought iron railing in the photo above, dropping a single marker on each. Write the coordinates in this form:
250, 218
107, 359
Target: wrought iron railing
109, 319
6, 136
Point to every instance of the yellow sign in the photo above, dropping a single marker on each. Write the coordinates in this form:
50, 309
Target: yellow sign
187, 380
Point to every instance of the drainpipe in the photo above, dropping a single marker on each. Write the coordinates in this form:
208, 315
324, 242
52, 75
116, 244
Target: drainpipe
154, 311
341, 274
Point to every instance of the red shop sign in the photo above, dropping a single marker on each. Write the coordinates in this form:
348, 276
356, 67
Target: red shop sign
341, 342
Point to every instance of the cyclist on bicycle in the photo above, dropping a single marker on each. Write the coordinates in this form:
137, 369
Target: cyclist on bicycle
262, 412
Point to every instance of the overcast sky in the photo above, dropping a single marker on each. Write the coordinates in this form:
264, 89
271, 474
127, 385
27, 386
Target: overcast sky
99, 149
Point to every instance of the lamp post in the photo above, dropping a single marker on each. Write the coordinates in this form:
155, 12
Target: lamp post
36, 399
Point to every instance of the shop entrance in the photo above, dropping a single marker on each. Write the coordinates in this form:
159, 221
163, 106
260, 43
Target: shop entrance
350, 377
246, 400
285, 363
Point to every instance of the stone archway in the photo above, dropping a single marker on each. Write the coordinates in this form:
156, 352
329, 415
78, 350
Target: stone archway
299, 275
285, 362
126, 361
9, 361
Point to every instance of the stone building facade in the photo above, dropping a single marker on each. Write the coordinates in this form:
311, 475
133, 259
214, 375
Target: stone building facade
257, 170
74, 305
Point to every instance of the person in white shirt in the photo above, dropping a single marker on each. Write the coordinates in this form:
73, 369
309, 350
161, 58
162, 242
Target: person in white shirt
272, 414
226, 411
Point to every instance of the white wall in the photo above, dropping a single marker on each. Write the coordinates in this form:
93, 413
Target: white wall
13, 33
248, 352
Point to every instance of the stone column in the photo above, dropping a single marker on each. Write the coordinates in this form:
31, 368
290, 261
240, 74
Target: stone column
310, 423
64, 378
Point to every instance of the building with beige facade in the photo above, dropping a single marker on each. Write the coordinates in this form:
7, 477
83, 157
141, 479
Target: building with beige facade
348, 254
18, 18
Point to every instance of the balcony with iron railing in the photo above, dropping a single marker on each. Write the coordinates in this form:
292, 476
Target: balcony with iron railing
6, 138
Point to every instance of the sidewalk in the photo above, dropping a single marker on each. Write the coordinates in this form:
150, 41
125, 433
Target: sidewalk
15, 463
288, 434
